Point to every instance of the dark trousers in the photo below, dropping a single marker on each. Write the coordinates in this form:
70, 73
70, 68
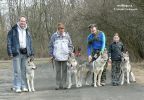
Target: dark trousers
116, 72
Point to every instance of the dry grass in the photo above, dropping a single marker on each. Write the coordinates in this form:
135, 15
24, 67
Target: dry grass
138, 69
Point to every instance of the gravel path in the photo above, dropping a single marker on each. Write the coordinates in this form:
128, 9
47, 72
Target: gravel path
45, 84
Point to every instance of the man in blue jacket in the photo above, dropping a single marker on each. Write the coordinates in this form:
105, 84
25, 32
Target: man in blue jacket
96, 45
19, 48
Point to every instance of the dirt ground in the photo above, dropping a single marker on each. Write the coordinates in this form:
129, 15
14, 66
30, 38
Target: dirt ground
45, 86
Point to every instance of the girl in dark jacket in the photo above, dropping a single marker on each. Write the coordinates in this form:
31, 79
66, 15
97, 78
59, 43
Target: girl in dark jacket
115, 54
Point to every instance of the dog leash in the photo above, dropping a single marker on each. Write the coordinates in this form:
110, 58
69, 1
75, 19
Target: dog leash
52, 61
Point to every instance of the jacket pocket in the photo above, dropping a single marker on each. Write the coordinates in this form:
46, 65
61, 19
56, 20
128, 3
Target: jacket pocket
14, 51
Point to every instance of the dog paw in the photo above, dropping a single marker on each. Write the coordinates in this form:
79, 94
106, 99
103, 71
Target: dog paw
133, 81
33, 90
69, 86
121, 83
99, 85
87, 83
95, 85
128, 82
79, 85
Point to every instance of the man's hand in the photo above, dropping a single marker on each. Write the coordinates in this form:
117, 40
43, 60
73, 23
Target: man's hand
31, 58
11, 56
101, 52
89, 58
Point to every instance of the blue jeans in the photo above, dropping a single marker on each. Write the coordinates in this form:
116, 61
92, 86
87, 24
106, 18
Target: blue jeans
19, 69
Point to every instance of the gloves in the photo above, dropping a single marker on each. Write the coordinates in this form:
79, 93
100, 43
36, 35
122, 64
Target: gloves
89, 58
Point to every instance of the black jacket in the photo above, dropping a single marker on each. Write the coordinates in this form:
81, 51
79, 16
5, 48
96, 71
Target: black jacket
115, 51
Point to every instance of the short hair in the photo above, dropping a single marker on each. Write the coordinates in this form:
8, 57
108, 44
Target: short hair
92, 25
22, 17
60, 25
116, 34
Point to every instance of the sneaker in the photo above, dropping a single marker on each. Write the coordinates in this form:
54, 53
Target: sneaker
25, 90
18, 91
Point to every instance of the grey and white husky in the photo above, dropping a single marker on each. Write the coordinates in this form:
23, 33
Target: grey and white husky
96, 67
126, 69
30, 75
72, 70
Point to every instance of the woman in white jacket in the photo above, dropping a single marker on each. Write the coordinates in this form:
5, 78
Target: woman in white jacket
60, 47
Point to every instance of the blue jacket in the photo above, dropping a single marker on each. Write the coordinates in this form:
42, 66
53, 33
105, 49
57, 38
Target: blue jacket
96, 42
13, 45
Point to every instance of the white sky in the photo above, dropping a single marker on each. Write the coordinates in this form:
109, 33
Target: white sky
3, 6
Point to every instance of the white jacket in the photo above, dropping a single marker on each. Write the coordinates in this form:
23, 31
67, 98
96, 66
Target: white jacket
60, 46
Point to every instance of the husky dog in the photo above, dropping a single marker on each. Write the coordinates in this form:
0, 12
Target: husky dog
84, 72
126, 69
72, 70
30, 75
96, 67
